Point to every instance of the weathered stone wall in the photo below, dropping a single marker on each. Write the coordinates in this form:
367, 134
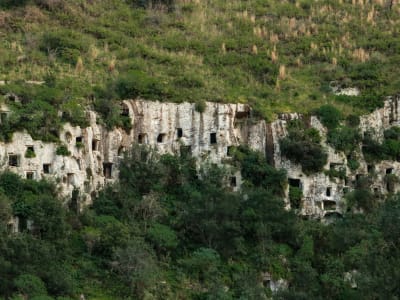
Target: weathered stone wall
96, 152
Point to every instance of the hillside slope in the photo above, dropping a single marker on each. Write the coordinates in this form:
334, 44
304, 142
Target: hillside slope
277, 55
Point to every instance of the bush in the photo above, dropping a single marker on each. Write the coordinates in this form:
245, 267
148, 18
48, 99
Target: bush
329, 115
344, 139
302, 148
295, 196
138, 84
66, 44
29, 153
372, 149
30, 285
200, 106
63, 150
361, 199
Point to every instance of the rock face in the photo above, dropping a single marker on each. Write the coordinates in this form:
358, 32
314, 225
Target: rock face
96, 152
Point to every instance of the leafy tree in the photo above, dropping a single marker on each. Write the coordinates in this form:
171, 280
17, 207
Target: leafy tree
30, 285
303, 148
329, 115
136, 265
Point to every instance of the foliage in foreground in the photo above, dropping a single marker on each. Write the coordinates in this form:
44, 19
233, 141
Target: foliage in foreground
166, 231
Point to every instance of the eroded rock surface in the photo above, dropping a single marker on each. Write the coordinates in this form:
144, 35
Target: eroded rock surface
97, 152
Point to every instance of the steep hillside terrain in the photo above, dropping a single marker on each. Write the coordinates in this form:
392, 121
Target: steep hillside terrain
279, 56
105, 196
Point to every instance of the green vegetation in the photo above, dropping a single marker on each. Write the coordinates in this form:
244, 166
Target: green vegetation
279, 56
302, 145
63, 150
164, 232
389, 148
295, 197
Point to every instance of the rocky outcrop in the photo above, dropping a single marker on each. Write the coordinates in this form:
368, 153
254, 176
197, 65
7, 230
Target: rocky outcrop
96, 152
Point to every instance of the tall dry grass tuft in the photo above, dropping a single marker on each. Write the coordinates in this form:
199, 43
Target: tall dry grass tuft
360, 55
273, 38
277, 85
254, 49
371, 16
274, 55
223, 48
79, 65
93, 52
282, 72
112, 64
299, 63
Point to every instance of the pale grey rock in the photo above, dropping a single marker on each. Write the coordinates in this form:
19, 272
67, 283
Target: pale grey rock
170, 127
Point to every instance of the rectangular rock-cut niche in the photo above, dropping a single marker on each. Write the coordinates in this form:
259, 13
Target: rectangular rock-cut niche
13, 160
389, 171
185, 151
79, 139
95, 145
328, 191
213, 138
107, 170
142, 138
124, 110
46, 168
370, 168
30, 152
329, 205
233, 181
30, 175
242, 114
70, 178
121, 151
161, 138
179, 133
295, 182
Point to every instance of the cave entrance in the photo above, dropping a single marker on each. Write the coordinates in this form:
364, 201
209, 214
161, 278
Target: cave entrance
46, 168
95, 145
107, 170
389, 171
295, 182
329, 205
161, 138
142, 138
13, 160
233, 181
30, 175
328, 191
179, 132
213, 138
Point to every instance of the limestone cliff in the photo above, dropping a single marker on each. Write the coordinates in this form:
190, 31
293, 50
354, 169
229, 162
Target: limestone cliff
96, 152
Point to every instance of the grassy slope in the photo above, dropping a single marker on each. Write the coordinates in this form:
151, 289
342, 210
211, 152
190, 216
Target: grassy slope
277, 55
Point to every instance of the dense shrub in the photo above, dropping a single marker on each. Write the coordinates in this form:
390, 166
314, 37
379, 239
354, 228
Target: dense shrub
388, 149
329, 115
344, 139
139, 84
63, 150
302, 146
66, 44
295, 197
